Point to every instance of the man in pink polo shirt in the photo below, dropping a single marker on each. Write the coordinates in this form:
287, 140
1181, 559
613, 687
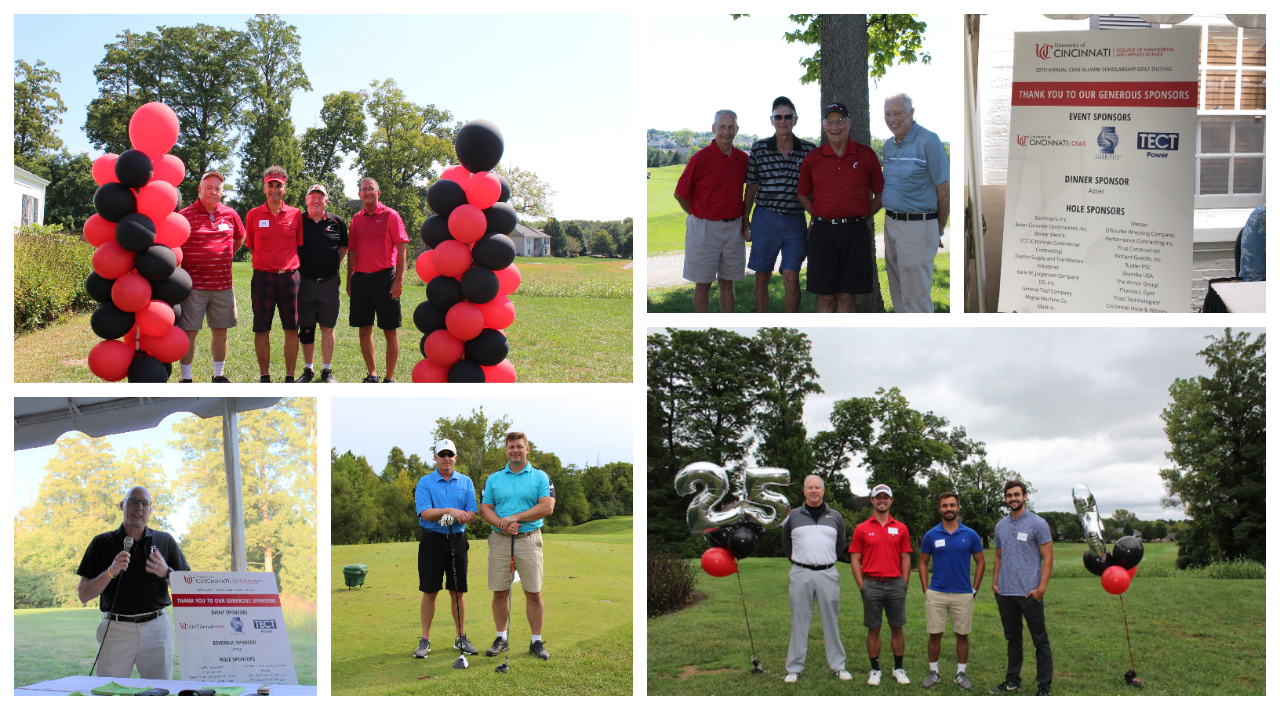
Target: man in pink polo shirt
275, 233
216, 235
377, 246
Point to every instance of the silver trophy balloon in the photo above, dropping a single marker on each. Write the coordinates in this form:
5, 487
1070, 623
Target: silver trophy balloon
1090, 520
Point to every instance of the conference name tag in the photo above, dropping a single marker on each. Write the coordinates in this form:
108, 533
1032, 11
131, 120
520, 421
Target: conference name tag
939, 543
1022, 537
892, 531
264, 223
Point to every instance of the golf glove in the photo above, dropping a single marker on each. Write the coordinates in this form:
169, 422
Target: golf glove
447, 520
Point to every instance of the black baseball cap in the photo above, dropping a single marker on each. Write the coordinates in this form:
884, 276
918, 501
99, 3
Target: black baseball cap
838, 107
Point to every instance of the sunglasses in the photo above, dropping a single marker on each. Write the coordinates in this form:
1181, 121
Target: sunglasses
784, 116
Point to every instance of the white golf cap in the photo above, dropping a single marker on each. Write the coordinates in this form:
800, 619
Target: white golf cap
882, 488
445, 445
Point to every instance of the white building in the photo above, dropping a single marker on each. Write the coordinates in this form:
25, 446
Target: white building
531, 242
30, 193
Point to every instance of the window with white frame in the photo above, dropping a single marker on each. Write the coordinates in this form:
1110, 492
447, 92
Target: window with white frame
30, 209
1231, 130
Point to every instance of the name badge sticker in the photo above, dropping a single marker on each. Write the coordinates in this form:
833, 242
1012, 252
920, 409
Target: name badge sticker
939, 543
1022, 537
892, 531
264, 223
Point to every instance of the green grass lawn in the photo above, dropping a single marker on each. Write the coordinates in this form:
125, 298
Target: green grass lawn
1183, 642
573, 324
587, 592
55, 643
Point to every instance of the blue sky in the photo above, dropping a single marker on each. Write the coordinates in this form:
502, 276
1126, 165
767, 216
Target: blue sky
558, 86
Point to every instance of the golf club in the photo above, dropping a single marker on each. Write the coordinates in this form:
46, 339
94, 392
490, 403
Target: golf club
447, 521
506, 665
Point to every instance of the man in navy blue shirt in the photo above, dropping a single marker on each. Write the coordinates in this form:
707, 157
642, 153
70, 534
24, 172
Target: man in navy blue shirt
446, 502
950, 593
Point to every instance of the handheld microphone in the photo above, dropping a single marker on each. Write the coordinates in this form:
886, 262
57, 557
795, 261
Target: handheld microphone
128, 544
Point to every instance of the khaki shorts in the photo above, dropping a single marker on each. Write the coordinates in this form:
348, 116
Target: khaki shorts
939, 605
220, 305
714, 250
528, 561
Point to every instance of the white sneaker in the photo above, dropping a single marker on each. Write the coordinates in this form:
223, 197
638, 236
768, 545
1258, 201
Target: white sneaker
900, 675
791, 678
874, 678
842, 674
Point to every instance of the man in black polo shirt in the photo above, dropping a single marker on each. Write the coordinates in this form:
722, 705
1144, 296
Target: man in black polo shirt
324, 243
773, 170
134, 587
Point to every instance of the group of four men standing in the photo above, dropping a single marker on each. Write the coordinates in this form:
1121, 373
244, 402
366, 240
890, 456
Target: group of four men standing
842, 185
880, 557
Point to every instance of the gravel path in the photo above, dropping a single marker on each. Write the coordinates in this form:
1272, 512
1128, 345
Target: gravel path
668, 269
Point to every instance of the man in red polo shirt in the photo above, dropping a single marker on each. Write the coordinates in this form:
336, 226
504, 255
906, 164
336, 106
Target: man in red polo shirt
840, 185
376, 253
710, 191
880, 555
275, 233
216, 235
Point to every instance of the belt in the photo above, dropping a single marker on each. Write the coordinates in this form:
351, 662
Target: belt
731, 219
909, 216
839, 220
322, 279
134, 618
273, 271
379, 272
817, 568
518, 535
881, 579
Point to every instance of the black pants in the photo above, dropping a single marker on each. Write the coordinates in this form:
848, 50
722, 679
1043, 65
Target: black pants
1012, 611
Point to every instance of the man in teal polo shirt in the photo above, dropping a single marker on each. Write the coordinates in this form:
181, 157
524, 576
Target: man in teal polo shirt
442, 549
514, 501
917, 197
951, 592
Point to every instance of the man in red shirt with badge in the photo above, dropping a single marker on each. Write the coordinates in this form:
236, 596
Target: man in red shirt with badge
710, 191
840, 185
377, 247
881, 562
275, 233
216, 235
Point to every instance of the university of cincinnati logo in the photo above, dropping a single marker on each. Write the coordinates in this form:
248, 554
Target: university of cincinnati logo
1042, 50
1022, 141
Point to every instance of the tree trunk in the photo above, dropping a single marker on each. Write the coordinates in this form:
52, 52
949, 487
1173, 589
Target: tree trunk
844, 79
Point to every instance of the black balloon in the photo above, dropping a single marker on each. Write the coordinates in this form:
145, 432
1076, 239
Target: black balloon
479, 145
444, 195
1095, 564
742, 541
422, 346
113, 201
488, 348
157, 263
719, 537
146, 368
435, 230
479, 284
506, 188
427, 318
500, 218
177, 313
494, 251
173, 290
99, 288
136, 232
465, 370
109, 322
134, 169
1127, 552
444, 292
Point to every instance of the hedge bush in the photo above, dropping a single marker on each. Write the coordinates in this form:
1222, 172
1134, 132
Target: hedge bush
49, 268
671, 582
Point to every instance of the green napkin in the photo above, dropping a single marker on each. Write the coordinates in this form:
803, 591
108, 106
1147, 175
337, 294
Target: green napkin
114, 688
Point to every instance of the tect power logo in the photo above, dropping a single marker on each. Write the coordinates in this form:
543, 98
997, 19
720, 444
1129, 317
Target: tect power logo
1157, 141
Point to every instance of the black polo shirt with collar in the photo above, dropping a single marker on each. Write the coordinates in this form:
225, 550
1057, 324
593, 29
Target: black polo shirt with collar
318, 255
143, 592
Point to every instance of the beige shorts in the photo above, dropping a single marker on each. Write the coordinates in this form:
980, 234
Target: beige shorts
220, 305
939, 605
528, 561
713, 250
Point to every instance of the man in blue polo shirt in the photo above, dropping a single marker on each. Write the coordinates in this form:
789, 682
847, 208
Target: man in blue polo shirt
514, 501
442, 551
951, 592
1024, 562
917, 197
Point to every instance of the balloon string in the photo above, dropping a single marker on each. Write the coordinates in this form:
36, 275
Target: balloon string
1125, 615
747, 618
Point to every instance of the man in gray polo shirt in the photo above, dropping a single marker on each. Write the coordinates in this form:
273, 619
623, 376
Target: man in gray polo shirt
1024, 560
812, 537
917, 196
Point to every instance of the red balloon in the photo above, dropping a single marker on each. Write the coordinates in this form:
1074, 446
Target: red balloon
155, 320
719, 562
508, 280
1133, 572
1115, 579
98, 231
168, 168
110, 360
156, 200
458, 174
464, 320
169, 347
484, 190
425, 268
131, 293
467, 223
442, 348
112, 261
173, 231
427, 371
177, 254
452, 258
498, 313
104, 170
153, 129
502, 372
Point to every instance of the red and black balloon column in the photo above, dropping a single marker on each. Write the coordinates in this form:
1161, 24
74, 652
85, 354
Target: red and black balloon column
139, 235
468, 267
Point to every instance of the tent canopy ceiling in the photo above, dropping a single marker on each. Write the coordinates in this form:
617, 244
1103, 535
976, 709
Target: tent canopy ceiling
39, 421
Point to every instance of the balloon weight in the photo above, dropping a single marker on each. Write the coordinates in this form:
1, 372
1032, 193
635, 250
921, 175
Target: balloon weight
719, 562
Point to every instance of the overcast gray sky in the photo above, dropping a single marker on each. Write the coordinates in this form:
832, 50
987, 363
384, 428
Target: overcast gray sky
1059, 405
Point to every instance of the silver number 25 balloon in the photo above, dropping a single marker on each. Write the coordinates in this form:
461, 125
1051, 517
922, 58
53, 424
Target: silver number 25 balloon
1090, 520
758, 502
764, 506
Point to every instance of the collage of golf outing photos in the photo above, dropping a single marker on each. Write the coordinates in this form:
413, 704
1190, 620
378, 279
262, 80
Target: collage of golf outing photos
852, 485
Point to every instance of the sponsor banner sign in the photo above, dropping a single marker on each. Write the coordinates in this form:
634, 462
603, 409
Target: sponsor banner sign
230, 628
1102, 143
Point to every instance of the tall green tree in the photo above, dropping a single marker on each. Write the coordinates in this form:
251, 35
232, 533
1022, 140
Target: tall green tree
575, 243
121, 90
554, 230
352, 486
602, 243
276, 75
530, 195
406, 142
1217, 429
37, 111
340, 133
